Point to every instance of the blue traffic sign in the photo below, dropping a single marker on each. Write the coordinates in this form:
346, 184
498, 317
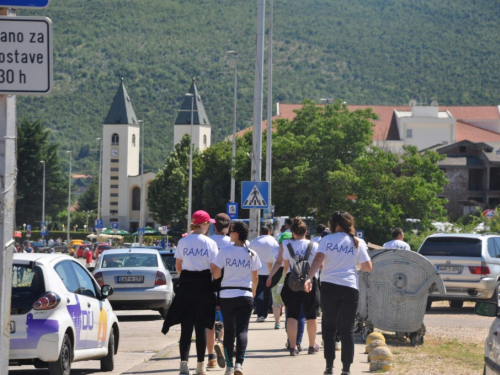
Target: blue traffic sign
28, 226
360, 234
232, 210
114, 225
99, 224
254, 194
24, 3
141, 231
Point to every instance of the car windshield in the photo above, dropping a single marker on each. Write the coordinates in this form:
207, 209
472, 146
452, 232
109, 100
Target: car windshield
27, 287
129, 260
168, 261
452, 246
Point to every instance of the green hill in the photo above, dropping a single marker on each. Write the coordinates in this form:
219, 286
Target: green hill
363, 52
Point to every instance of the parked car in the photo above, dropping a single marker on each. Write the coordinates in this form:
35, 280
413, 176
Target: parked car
168, 258
103, 246
139, 278
469, 265
80, 251
492, 343
59, 314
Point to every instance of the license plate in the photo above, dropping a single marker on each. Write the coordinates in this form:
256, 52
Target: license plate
450, 269
12, 327
130, 279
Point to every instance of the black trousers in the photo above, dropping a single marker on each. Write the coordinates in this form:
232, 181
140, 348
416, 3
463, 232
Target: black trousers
187, 325
262, 297
339, 304
236, 313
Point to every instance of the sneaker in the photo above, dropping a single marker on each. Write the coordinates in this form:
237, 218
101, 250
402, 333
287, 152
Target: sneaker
238, 369
299, 348
184, 368
328, 371
212, 363
294, 352
229, 371
345, 373
200, 368
219, 350
277, 325
313, 349
260, 319
338, 346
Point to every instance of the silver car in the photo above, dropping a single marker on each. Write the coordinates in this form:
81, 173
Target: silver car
469, 265
139, 278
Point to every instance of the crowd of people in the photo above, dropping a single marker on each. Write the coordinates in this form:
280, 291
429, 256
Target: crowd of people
225, 277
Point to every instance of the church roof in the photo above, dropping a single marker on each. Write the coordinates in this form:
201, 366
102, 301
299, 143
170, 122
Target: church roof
199, 114
121, 111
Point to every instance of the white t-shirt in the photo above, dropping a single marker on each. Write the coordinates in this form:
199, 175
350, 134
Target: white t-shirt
316, 239
196, 251
264, 246
221, 240
300, 247
238, 266
275, 256
397, 244
341, 257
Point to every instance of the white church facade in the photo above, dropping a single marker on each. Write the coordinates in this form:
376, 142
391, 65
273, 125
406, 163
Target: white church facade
121, 172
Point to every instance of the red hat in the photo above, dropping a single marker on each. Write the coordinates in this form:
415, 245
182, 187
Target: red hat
200, 217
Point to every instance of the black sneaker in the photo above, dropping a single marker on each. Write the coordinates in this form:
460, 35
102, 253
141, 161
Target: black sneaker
328, 371
345, 373
294, 352
219, 350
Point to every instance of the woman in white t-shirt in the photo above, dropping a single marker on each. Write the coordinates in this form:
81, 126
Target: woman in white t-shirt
238, 287
339, 253
194, 301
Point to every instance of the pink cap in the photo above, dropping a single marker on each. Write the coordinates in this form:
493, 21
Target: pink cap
200, 217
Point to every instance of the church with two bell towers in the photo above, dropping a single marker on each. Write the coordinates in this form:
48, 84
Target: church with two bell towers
121, 167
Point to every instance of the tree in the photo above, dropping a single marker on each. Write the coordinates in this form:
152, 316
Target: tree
33, 147
88, 200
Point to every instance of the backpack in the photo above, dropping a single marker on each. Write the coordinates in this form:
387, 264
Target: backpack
300, 269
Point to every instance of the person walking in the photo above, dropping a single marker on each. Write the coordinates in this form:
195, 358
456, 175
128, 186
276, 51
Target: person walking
319, 230
339, 253
194, 301
276, 290
88, 257
295, 300
397, 241
263, 246
238, 286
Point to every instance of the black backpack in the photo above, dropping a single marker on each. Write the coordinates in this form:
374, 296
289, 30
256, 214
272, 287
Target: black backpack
300, 269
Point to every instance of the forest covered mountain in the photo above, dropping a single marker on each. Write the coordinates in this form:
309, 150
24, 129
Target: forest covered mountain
362, 51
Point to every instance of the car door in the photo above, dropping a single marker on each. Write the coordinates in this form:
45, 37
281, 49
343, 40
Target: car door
75, 304
91, 311
495, 267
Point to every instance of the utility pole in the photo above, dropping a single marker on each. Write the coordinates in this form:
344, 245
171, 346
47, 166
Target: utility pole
8, 159
269, 149
190, 189
69, 199
43, 194
233, 181
143, 188
257, 115
100, 181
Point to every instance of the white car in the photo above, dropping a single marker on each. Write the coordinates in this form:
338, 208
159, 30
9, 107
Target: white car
492, 343
59, 315
139, 278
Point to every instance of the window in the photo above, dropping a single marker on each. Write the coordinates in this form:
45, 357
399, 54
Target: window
136, 199
113, 220
114, 160
204, 140
114, 177
130, 260
492, 249
113, 203
87, 287
463, 149
114, 212
497, 242
452, 246
115, 169
67, 275
115, 139
409, 133
114, 186
133, 140
114, 195
27, 286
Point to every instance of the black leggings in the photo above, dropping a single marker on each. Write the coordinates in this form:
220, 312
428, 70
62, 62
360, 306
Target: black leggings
236, 313
186, 334
339, 304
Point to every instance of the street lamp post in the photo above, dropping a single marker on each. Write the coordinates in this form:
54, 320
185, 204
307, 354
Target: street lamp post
43, 193
100, 180
88, 216
233, 182
143, 193
69, 197
190, 191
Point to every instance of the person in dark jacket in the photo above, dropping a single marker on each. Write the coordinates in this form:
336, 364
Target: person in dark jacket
194, 301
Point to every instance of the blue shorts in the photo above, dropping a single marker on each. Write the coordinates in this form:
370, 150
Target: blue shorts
218, 316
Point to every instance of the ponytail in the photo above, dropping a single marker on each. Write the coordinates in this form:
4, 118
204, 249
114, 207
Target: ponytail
345, 221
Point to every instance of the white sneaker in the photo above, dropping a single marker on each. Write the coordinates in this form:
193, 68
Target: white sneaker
338, 346
200, 368
261, 319
229, 371
238, 369
184, 368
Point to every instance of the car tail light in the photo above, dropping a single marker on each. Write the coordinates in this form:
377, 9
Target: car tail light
160, 278
483, 270
48, 301
98, 277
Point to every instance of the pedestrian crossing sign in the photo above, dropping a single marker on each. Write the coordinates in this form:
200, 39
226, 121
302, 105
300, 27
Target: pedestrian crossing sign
254, 194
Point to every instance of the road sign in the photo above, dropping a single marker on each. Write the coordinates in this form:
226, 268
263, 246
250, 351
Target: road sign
488, 214
360, 234
254, 194
28, 226
232, 210
24, 3
26, 66
115, 227
163, 230
141, 231
99, 224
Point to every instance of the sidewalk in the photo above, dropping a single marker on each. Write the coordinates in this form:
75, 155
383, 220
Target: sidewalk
266, 355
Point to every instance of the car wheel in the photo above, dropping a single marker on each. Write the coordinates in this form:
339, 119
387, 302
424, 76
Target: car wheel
163, 312
496, 294
63, 364
429, 304
108, 362
456, 304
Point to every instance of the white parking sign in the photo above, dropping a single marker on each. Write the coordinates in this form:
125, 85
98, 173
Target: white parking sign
25, 55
